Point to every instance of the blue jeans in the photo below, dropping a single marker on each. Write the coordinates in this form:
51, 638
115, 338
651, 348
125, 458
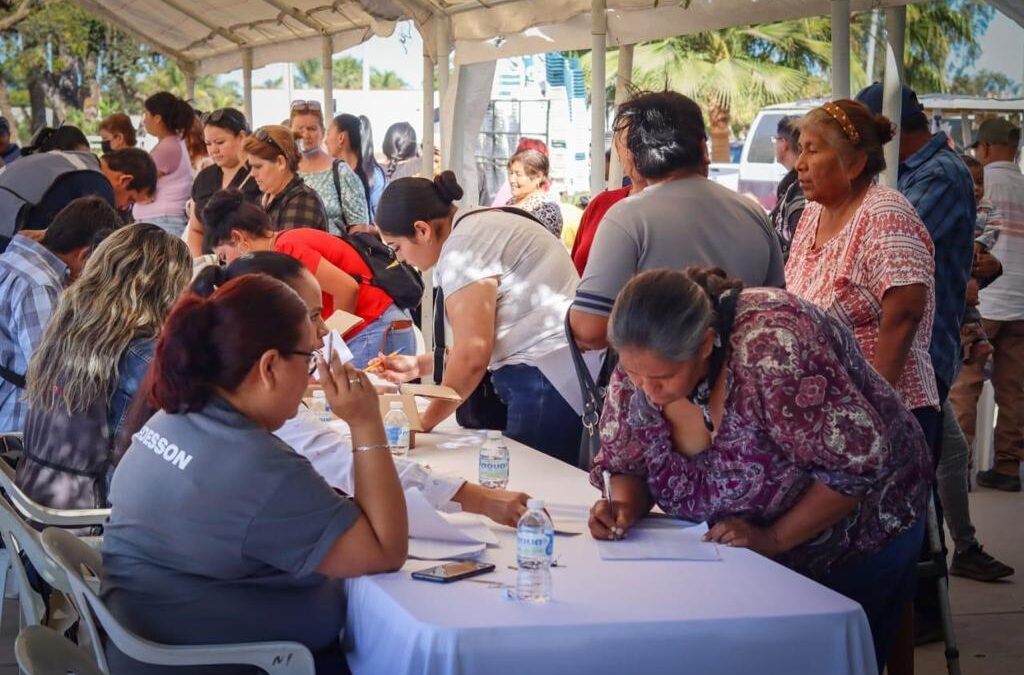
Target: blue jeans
174, 225
882, 583
538, 416
371, 341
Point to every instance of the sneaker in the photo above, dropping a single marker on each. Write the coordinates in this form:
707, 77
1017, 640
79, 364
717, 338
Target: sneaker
998, 481
975, 564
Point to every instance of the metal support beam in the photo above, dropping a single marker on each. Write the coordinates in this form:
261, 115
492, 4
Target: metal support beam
190, 85
892, 101
225, 33
247, 85
840, 49
298, 15
327, 55
427, 309
598, 45
623, 80
443, 52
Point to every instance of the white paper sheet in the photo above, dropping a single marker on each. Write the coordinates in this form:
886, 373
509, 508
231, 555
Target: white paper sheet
340, 348
660, 540
560, 371
437, 536
569, 519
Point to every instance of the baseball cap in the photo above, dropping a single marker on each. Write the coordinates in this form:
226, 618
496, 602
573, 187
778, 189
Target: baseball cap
997, 131
871, 96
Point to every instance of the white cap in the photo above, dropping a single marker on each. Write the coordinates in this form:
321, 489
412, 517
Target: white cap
535, 504
319, 393
493, 435
397, 405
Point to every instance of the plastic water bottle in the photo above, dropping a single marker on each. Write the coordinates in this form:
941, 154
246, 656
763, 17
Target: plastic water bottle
396, 428
535, 548
321, 408
494, 461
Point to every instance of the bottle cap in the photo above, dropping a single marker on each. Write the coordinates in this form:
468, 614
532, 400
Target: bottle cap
396, 405
493, 435
535, 504
319, 393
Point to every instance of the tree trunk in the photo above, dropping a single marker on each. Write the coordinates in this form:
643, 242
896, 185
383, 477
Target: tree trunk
719, 116
37, 101
8, 111
91, 99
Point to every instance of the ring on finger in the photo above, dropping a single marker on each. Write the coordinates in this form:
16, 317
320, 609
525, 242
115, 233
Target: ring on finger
354, 380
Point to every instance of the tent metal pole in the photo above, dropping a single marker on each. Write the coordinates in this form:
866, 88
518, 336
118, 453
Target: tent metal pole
840, 49
623, 79
443, 51
892, 101
327, 56
190, 83
599, 40
247, 84
427, 308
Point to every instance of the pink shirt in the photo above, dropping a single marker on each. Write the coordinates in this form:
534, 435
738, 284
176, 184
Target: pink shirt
885, 245
174, 184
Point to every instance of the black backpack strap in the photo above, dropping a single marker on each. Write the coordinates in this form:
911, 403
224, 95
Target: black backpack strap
439, 344
12, 377
337, 188
515, 211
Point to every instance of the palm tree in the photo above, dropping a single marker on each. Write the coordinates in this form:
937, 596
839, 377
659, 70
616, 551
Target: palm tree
750, 66
387, 79
309, 74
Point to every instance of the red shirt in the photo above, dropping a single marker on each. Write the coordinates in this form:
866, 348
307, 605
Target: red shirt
592, 217
310, 246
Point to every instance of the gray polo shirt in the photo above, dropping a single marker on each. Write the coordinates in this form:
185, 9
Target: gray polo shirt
692, 221
216, 530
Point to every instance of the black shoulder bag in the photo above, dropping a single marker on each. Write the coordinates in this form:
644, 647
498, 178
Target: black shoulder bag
593, 397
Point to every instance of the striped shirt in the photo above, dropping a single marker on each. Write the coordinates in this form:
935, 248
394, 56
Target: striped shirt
938, 184
1004, 299
31, 279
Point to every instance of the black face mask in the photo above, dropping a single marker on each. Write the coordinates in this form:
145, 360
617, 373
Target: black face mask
105, 147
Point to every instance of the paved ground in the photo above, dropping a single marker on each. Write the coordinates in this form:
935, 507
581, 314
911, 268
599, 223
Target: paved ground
989, 618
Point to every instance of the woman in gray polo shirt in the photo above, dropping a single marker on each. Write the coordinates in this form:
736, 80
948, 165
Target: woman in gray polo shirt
220, 532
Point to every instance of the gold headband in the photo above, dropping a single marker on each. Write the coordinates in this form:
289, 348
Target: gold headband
840, 116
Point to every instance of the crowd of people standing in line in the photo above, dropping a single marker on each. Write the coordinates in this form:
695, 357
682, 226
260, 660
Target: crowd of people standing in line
801, 380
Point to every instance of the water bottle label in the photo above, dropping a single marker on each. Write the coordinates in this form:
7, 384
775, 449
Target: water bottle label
493, 470
398, 436
532, 543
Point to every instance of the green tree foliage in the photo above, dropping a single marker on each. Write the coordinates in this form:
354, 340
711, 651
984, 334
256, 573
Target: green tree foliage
348, 73
985, 83
386, 79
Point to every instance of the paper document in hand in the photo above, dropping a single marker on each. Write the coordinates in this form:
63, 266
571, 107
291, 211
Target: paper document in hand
661, 540
340, 348
436, 536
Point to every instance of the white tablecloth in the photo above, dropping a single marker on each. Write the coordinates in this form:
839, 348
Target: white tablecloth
744, 614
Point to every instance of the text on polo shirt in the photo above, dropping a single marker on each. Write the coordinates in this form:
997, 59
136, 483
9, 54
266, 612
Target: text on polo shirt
162, 447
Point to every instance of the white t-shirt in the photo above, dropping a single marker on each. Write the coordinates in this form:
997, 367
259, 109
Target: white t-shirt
536, 280
1003, 300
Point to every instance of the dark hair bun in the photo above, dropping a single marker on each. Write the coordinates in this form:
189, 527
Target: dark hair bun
884, 128
222, 204
448, 187
209, 279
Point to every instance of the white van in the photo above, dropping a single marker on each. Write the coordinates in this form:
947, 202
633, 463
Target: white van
759, 173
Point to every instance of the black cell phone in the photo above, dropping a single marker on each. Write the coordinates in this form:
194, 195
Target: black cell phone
453, 571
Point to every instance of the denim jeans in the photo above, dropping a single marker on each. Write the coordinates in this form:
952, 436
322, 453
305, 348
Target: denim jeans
174, 225
538, 416
951, 479
367, 343
882, 583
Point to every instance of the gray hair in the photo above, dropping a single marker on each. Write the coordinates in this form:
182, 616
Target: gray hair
667, 311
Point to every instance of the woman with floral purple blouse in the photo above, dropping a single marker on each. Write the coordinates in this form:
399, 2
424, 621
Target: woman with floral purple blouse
753, 411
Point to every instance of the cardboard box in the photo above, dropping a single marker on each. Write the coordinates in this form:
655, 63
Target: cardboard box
407, 394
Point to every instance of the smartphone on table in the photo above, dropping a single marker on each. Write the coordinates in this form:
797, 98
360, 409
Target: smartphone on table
453, 571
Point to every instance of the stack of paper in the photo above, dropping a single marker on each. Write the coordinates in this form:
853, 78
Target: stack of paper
437, 536
661, 539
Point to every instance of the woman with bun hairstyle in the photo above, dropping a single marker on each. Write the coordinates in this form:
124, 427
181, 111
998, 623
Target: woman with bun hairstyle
329, 447
402, 150
169, 119
234, 227
756, 412
274, 160
862, 254
220, 532
506, 284
224, 131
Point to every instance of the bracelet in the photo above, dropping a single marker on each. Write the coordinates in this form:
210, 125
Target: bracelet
365, 448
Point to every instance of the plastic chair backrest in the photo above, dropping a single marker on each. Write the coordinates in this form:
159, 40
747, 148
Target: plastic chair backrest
44, 515
18, 536
44, 651
77, 559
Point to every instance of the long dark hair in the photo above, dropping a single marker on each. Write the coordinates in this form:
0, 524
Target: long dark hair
176, 113
410, 199
399, 145
369, 159
349, 124
228, 210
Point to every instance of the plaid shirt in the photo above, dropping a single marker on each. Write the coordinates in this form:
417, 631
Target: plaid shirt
31, 279
297, 205
940, 187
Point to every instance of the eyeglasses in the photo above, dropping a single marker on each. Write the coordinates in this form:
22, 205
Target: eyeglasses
264, 136
309, 355
307, 105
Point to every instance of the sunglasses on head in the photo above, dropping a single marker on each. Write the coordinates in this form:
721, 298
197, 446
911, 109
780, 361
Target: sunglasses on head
307, 105
225, 115
264, 136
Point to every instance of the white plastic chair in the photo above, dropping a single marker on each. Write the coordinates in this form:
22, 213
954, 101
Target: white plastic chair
984, 450
17, 512
77, 560
44, 651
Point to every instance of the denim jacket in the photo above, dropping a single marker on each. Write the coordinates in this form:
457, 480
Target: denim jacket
132, 369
